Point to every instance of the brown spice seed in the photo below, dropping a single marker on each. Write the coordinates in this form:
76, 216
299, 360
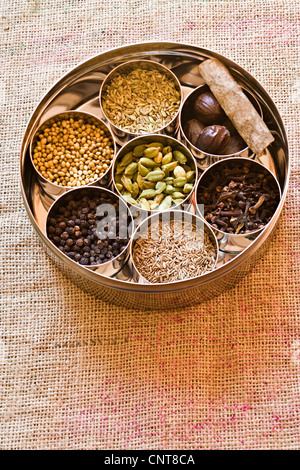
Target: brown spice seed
149, 100
172, 257
71, 171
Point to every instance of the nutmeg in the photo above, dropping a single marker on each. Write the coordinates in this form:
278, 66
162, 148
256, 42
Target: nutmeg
192, 130
235, 145
207, 109
213, 139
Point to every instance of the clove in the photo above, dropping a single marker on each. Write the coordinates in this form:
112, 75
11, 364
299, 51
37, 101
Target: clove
233, 196
253, 209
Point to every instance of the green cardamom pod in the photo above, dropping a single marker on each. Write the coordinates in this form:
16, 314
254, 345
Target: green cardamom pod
144, 204
130, 200
178, 201
179, 157
147, 161
138, 151
135, 190
140, 180
166, 150
119, 186
127, 183
166, 204
169, 189
169, 167
168, 179
118, 178
159, 145
119, 169
190, 176
148, 184
128, 157
155, 176
179, 172
131, 168
153, 205
187, 188
160, 187
179, 182
177, 195
159, 198
143, 170
167, 158
147, 194
151, 152
158, 158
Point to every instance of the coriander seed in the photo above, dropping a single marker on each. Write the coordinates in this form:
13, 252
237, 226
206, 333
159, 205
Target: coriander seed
63, 155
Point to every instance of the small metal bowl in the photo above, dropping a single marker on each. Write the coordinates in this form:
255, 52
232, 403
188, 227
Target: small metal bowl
138, 212
183, 217
54, 190
228, 242
122, 136
113, 266
204, 159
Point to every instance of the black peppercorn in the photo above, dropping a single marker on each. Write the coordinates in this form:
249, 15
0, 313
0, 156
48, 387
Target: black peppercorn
73, 229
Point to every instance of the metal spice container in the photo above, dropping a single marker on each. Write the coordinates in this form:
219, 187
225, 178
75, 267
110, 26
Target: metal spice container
78, 91
165, 141
206, 159
171, 246
243, 196
140, 97
111, 202
52, 189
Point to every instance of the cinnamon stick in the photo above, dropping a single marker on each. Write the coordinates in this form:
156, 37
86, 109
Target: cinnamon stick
236, 105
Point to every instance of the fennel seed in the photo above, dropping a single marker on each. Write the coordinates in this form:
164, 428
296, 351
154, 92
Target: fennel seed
141, 100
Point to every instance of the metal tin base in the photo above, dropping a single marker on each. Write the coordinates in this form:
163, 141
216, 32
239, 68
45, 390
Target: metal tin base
79, 90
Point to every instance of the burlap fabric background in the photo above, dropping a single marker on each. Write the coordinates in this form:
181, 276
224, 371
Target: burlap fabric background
77, 373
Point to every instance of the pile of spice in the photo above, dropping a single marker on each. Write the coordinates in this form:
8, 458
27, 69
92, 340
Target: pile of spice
207, 127
177, 251
141, 100
73, 152
154, 177
75, 228
238, 197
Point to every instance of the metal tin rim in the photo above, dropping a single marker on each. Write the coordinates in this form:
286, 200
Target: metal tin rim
146, 47
239, 159
56, 116
157, 65
88, 188
155, 136
159, 284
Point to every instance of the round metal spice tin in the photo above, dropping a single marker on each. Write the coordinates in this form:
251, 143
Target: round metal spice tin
78, 90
